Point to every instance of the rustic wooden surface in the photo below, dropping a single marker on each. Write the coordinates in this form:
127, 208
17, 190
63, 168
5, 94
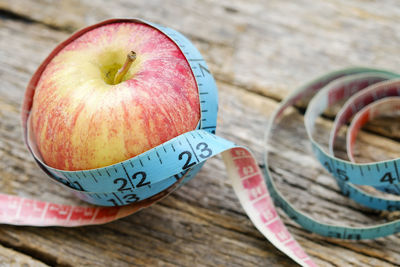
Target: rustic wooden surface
258, 51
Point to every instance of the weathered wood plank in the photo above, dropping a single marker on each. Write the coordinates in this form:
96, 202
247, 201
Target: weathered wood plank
266, 47
202, 223
9, 257
269, 47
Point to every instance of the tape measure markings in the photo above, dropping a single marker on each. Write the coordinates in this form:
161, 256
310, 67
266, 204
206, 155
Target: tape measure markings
205, 81
247, 181
369, 174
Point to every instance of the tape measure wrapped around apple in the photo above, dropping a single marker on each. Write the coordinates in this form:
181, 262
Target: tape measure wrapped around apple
124, 112
109, 93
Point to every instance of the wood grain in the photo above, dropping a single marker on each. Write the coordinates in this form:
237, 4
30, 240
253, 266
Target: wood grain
9, 257
258, 52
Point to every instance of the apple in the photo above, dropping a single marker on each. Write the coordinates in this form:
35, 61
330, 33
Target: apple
109, 93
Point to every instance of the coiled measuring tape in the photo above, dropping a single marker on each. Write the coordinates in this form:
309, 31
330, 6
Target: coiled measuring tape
365, 86
139, 182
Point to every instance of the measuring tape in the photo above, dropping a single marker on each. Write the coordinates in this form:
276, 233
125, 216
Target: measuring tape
367, 85
138, 182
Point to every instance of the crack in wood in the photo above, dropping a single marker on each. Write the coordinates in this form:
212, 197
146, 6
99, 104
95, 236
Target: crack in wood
341, 244
36, 254
10, 15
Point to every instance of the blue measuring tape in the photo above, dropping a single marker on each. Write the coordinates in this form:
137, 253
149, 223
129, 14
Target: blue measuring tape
332, 88
178, 160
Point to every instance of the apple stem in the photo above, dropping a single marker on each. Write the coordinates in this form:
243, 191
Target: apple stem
124, 69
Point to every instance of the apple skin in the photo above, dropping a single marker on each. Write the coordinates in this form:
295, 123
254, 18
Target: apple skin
79, 120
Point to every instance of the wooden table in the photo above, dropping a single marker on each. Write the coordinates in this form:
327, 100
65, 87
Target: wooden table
258, 51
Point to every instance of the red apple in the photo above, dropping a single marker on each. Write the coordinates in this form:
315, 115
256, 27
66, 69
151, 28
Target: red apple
84, 117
